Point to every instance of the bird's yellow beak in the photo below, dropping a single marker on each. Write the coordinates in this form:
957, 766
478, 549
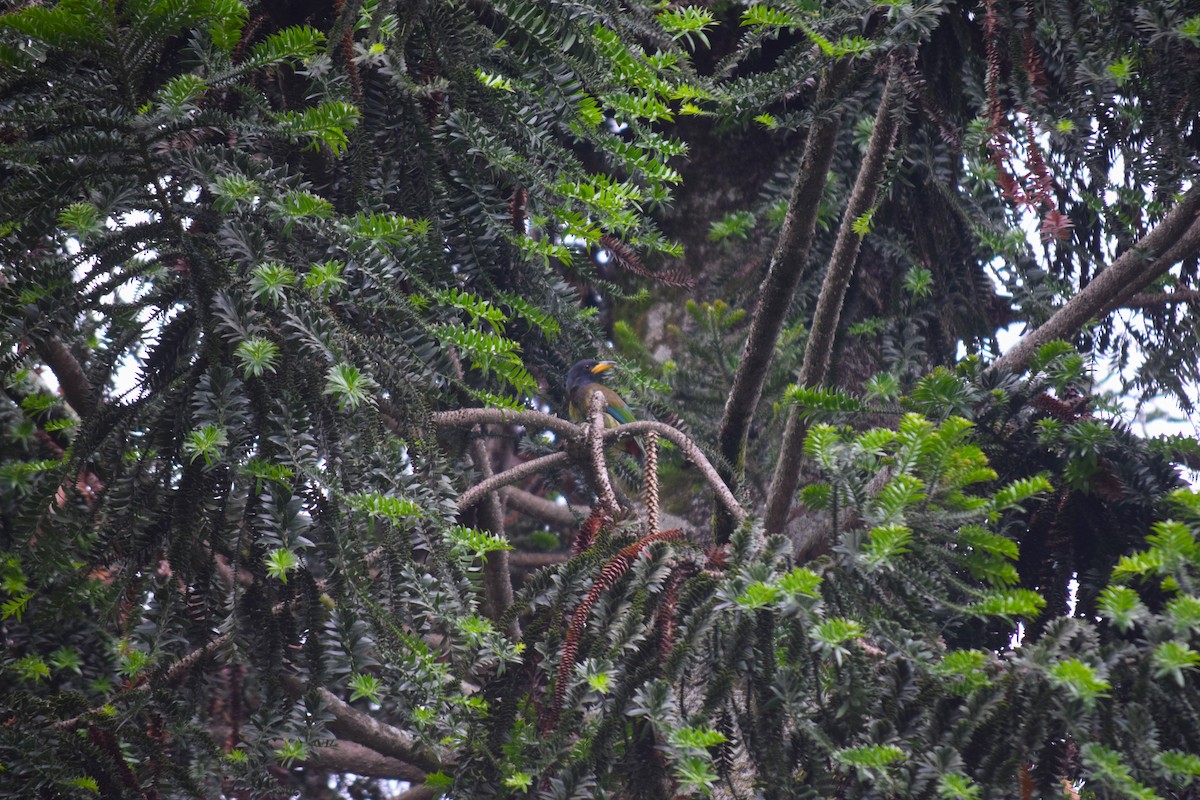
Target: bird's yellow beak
603, 366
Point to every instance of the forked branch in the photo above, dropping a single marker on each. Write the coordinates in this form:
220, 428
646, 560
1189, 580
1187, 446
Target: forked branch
577, 434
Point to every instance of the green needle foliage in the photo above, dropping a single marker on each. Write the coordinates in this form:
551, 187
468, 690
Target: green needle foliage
271, 273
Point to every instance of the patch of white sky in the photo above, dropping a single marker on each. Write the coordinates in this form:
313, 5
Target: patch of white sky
127, 377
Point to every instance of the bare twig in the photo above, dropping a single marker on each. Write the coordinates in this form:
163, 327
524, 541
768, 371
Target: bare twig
818, 352
783, 275
691, 452
1176, 237
576, 433
604, 488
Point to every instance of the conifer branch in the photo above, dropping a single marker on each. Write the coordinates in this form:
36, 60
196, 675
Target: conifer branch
1176, 237
612, 572
818, 352
782, 278
651, 481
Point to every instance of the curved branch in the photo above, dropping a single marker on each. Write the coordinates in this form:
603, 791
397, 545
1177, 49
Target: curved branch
1176, 237
818, 352
691, 452
347, 756
350, 723
572, 432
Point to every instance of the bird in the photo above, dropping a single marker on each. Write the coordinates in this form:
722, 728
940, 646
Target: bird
583, 382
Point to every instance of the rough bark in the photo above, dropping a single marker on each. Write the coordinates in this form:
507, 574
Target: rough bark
354, 725
819, 349
783, 275
71, 378
1175, 238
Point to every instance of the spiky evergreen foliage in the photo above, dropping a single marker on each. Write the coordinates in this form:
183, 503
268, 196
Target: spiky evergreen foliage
258, 244
284, 244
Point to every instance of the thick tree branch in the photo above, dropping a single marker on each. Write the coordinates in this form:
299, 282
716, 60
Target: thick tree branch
350, 723
346, 756
466, 417
1174, 238
71, 378
819, 350
783, 275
